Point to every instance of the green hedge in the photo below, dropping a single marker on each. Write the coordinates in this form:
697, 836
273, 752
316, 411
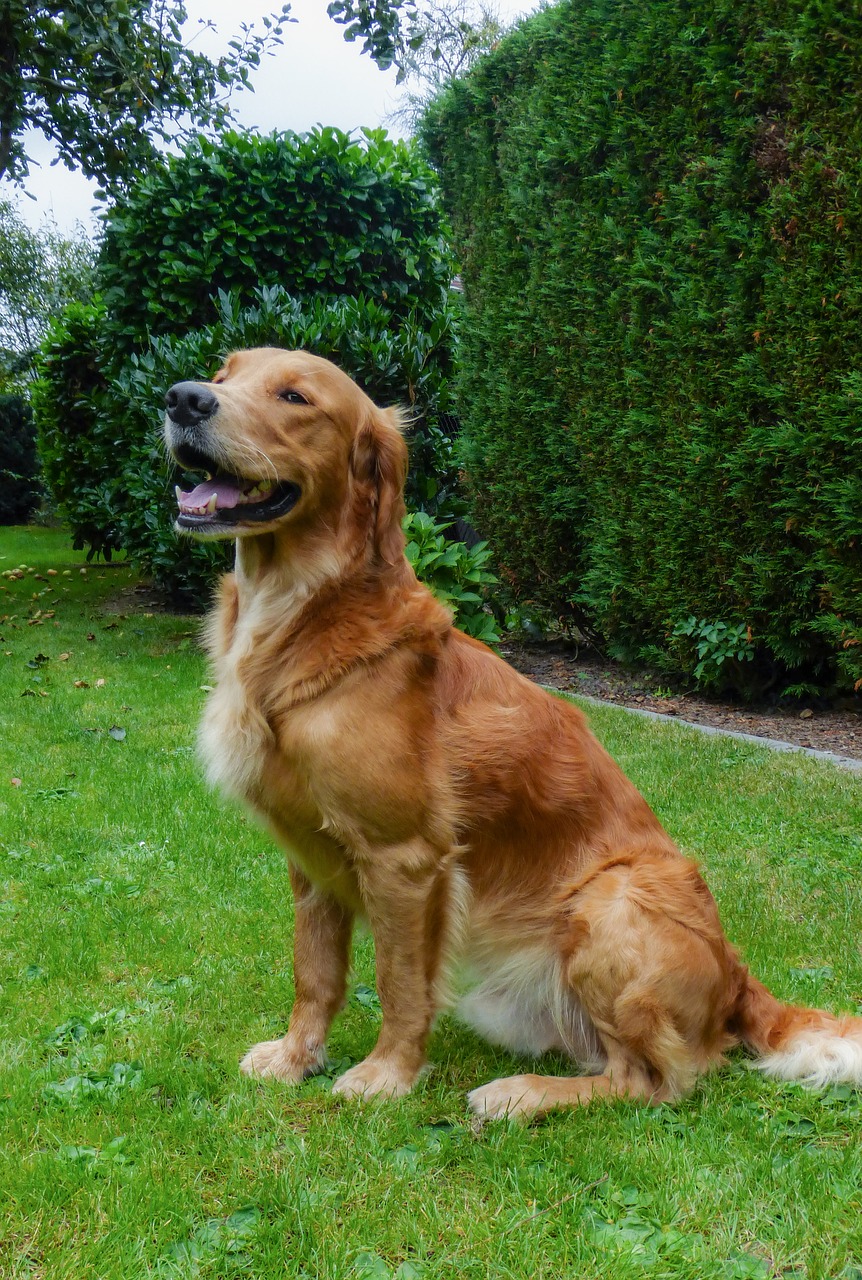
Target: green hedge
658, 206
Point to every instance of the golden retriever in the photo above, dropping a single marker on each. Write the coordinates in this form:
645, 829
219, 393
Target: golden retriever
417, 782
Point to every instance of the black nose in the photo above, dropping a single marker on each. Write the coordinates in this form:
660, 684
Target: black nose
189, 403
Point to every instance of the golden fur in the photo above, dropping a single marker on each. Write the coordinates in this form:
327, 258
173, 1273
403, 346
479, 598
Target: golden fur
417, 782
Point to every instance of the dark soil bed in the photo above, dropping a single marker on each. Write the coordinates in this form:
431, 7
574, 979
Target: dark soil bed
836, 727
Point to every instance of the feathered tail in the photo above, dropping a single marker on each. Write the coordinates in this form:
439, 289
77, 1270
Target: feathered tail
810, 1045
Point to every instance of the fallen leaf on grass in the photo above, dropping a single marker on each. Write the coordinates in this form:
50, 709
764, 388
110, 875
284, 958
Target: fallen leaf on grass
81, 684
116, 732
14, 782
63, 657
100, 683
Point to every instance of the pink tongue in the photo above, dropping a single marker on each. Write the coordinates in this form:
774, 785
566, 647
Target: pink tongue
227, 494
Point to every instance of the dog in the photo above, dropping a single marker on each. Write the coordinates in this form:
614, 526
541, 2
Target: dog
418, 783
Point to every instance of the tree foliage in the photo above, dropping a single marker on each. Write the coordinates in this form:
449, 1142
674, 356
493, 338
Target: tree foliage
429, 44
379, 22
448, 36
41, 271
19, 465
104, 78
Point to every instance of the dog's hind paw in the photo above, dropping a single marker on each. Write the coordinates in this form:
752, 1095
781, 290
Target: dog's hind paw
515, 1097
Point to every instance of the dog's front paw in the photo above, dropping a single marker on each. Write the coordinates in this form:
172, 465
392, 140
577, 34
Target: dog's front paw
514, 1096
276, 1060
372, 1078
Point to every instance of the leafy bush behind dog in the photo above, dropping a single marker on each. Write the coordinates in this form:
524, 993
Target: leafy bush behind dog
457, 574
101, 435
19, 464
315, 242
658, 207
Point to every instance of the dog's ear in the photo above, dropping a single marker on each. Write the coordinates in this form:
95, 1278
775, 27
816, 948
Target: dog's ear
378, 461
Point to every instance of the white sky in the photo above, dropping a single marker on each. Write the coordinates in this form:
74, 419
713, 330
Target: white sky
316, 77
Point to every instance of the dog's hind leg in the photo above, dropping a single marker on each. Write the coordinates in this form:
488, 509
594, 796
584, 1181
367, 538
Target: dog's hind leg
643, 951
321, 954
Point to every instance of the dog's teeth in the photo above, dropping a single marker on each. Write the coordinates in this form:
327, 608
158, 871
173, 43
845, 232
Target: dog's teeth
178, 491
211, 505
207, 476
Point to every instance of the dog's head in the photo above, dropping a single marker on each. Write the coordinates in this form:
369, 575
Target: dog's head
285, 439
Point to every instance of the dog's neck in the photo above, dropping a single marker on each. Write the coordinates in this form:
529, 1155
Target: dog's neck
283, 567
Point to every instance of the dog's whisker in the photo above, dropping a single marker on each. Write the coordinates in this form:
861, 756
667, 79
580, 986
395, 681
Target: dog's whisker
251, 453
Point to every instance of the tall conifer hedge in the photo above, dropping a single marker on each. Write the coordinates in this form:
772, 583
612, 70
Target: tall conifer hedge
658, 207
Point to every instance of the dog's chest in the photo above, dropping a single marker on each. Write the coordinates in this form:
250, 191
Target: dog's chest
340, 765
235, 737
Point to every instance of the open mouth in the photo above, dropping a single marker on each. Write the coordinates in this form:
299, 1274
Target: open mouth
231, 500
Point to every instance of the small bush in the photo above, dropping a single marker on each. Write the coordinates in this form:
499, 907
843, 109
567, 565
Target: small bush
79, 445
717, 653
19, 465
455, 573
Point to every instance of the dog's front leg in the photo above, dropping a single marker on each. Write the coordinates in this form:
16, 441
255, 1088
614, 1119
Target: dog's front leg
321, 954
408, 900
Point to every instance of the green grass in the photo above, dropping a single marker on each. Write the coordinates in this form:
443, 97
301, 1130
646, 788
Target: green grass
145, 942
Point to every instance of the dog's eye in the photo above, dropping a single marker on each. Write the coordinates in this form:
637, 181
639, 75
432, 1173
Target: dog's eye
292, 397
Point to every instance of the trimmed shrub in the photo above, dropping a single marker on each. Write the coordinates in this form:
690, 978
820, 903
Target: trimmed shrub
194, 264
658, 208
313, 214
19, 466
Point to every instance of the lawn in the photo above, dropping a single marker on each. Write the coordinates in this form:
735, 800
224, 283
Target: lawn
146, 944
